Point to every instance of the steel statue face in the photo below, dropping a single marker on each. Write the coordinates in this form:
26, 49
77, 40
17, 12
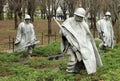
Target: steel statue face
78, 18
107, 17
27, 21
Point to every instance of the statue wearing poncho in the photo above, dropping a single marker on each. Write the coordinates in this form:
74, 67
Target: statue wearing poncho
105, 31
77, 38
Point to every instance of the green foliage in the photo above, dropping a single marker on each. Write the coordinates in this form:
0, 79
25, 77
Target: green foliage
21, 73
97, 43
55, 76
110, 71
9, 57
50, 50
41, 62
41, 69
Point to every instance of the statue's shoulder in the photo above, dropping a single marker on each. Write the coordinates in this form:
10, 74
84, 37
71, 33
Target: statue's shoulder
22, 23
31, 25
101, 20
69, 19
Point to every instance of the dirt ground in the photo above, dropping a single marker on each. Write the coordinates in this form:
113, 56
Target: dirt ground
8, 33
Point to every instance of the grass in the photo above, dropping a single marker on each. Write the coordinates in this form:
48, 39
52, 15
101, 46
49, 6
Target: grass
40, 69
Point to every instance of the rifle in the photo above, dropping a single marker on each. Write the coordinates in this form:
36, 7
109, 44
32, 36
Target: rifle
29, 44
61, 31
77, 52
58, 24
102, 36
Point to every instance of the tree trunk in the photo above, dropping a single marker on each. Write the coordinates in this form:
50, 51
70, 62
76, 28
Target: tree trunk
15, 19
49, 18
49, 28
49, 25
117, 30
42, 14
94, 22
1, 16
64, 15
1, 10
31, 9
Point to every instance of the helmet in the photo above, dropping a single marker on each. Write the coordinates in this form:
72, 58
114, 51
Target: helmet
27, 16
108, 13
80, 12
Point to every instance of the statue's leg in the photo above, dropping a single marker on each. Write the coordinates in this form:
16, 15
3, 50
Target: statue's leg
72, 62
29, 51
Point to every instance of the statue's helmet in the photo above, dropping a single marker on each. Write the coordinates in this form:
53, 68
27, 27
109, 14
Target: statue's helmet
80, 12
107, 14
27, 16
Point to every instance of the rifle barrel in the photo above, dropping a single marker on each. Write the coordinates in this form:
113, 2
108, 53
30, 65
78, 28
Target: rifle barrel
57, 23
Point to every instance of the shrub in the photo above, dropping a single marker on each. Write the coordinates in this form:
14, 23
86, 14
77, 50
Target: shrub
9, 57
51, 49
